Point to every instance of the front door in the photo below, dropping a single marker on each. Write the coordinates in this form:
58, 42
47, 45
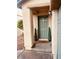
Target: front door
43, 27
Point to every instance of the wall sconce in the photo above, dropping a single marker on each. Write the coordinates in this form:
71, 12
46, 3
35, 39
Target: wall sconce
50, 13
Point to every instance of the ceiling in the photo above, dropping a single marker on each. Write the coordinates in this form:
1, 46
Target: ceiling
55, 4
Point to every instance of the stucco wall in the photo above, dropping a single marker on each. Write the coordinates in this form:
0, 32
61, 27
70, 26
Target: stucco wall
35, 23
50, 21
36, 3
59, 35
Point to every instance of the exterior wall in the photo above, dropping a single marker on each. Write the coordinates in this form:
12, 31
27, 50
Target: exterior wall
50, 21
59, 35
28, 28
54, 23
28, 17
36, 3
54, 34
35, 23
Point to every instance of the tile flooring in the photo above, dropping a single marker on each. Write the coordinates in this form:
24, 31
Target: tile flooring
35, 55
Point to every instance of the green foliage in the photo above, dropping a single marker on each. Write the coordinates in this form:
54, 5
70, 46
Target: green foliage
36, 37
20, 24
49, 35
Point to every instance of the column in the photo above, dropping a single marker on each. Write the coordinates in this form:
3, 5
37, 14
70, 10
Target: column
35, 21
54, 34
28, 26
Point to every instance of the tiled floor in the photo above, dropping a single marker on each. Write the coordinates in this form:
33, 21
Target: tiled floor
35, 55
42, 50
43, 47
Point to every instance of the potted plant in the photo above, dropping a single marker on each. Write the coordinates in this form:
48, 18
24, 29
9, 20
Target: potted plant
36, 37
49, 34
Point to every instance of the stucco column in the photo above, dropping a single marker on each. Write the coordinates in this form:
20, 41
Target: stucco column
54, 34
28, 26
35, 21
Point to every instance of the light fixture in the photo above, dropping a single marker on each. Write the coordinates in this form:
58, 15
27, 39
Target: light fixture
50, 13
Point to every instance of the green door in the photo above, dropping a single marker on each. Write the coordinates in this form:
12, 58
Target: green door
43, 27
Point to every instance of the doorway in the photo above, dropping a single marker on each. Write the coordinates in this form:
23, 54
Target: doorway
43, 44
43, 27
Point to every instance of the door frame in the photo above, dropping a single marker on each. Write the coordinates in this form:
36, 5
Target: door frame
38, 27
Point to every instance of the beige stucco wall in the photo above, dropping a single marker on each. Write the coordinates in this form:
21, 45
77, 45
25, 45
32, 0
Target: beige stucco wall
50, 21
37, 3
35, 23
30, 21
54, 33
28, 28
59, 34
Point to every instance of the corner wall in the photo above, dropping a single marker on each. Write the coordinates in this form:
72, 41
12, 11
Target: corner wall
59, 35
